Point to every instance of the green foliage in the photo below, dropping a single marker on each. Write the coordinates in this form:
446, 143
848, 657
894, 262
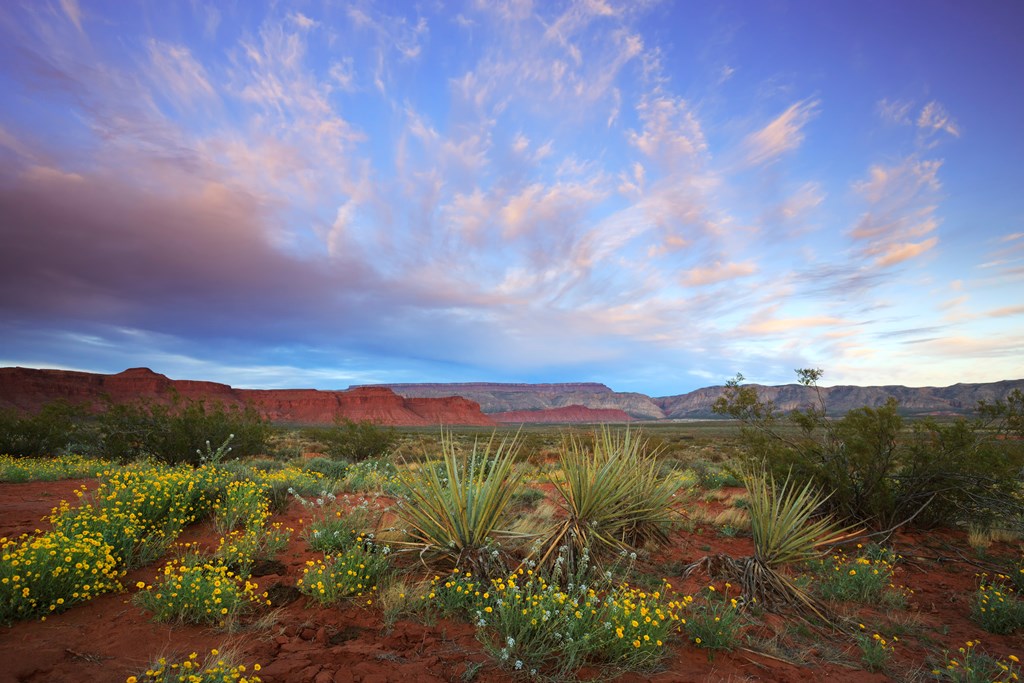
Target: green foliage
59, 427
331, 469
375, 475
46, 574
357, 441
130, 520
784, 522
866, 578
216, 668
880, 473
337, 523
614, 497
715, 622
355, 572
550, 624
243, 503
199, 590
460, 509
175, 433
996, 607
240, 550
50, 469
875, 649
971, 665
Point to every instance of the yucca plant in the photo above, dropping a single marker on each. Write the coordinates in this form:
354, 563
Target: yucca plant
613, 494
786, 531
458, 507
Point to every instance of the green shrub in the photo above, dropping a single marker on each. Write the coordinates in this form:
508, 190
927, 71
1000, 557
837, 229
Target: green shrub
59, 427
971, 665
356, 441
331, 469
216, 668
46, 574
875, 649
376, 475
199, 590
174, 433
613, 494
461, 512
354, 573
996, 607
715, 622
244, 503
241, 550
866, 578
50, 469
878, 472
548, 624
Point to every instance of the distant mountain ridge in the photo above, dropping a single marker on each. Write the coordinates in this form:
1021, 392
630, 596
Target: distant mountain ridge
470, 403
496, 397
28, 389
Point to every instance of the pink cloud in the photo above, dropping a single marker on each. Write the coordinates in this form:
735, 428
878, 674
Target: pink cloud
785, 133
719, 272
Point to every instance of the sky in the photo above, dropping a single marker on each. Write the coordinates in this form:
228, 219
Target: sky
652, 195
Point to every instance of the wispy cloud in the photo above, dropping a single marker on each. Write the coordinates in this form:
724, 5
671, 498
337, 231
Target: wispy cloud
934, 118
902, 211
894, 111
783, 134
717, 273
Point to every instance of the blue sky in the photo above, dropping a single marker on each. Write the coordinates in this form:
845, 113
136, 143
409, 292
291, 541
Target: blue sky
653, 195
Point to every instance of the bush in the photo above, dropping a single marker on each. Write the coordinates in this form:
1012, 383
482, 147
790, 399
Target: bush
357, 441
198, 590
875, 650
59, 427
971, 665
355, 572
996, 607
174, 433
241, 550
460, 512
715, 623
613, 494
50, 469
880, 474
866, 578
541, 622
216, 669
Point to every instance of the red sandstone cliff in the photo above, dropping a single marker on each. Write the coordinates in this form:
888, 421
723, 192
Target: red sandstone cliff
565, 414
27, 389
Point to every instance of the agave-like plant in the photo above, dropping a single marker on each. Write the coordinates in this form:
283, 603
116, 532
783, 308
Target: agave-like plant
614, 497
786, 531
458, 506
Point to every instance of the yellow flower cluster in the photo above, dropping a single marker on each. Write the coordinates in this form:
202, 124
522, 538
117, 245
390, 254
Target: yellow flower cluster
244, 504
215, 669
49, 469
242, 548
996, 607
533, 623
971, 664
354, 573
49, 573
866, 577
131, 518
195, 590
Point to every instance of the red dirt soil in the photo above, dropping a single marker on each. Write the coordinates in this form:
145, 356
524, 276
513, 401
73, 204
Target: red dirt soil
108, 639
